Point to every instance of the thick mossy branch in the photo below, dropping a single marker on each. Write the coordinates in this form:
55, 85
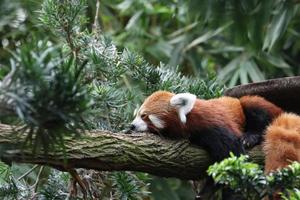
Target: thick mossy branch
102, 150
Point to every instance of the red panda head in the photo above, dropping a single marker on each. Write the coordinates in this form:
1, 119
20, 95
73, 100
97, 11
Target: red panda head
163, 112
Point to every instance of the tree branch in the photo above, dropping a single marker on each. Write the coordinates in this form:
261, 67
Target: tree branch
103, 150
284, 92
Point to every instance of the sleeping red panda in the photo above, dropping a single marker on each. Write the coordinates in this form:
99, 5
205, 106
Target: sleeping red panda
282, 142
220, 125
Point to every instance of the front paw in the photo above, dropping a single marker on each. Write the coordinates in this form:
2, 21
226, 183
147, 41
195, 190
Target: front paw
250, 140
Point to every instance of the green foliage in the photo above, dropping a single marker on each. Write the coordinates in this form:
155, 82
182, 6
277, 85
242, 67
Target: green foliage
222, 35
61, 17
62, 80
9, 190
249, 180
8, 13
8, 187
170, 189
11, 187
292, 195
45, 92
4, 172
119, 80
18, 182
66, 18
17, 22
56, 78
286, 179
128, 186
56, 187
244, 177
129, 74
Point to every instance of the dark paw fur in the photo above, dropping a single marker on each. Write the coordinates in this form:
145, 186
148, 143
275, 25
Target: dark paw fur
250, 140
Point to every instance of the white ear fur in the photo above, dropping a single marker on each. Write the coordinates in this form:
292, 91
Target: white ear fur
184, 103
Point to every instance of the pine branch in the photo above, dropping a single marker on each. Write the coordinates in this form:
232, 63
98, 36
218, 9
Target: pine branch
107, 151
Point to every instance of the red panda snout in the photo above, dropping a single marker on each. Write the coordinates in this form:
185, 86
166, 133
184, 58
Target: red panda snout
138, 124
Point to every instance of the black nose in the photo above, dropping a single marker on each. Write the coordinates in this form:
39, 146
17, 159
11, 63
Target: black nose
132, 127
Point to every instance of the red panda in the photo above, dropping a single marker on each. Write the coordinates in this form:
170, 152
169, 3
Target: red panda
220, 125
282, 142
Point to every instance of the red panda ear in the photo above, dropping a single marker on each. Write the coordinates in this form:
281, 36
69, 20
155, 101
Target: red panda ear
184, 103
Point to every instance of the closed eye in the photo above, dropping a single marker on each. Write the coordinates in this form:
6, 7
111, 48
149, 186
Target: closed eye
143, 116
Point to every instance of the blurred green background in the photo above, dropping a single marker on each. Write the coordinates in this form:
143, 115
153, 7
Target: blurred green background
240, 41
243, 41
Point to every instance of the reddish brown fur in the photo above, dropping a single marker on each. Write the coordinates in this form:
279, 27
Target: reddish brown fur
259, 102
223, 112
282, 142
159, 104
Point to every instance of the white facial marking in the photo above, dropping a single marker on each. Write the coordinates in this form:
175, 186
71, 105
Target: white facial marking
158, 123
140, 124
184, 103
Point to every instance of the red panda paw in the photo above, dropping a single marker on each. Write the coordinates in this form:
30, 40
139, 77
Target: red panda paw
249, 140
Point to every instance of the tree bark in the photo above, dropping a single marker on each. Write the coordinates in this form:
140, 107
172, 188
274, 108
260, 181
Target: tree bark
283, 92
107, 151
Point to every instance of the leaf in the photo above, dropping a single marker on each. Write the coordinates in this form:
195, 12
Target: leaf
133, 20
4, 172
206, 36
160, 49
244, 73
125, 5
184, 29
227, 49
254, 72
278, 26
229, 68
277, 61
234, 78
178, 39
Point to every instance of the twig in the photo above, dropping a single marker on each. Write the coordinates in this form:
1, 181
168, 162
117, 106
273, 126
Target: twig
28, 172
96, 23
78, 180
8, 78
35, 185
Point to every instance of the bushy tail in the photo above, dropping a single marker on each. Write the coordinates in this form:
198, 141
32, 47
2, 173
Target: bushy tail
282, 142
